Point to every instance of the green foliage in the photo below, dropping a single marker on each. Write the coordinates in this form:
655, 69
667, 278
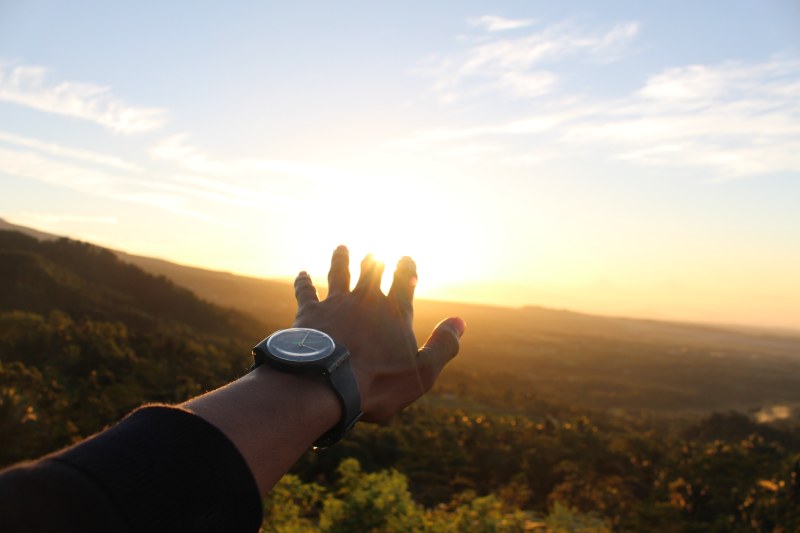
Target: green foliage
369, 502
61, 380
85, 338
569, 520
381, 502
471, 513
573, 424
291, 506
606, 472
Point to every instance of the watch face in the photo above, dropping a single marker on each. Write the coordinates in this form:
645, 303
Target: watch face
300, 345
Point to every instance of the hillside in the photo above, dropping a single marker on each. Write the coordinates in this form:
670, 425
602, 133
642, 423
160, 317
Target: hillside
83, 280
269, 302
547, 418
86, 337
557, 355
543, 356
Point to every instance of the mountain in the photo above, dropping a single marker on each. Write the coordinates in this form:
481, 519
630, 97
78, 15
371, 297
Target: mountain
268, 301
86, 337
35, 233
83, 280
577, 358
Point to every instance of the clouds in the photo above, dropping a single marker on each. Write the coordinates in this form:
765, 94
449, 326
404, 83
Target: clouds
68, 152
508, 87
177, 150
518, 66
700, 84
57, 220
730, 120
193, 183
494, 23
726, 120
98, 183
177, 177
29, 86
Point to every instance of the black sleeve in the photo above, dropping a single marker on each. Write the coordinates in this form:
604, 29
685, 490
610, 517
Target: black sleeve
159, 469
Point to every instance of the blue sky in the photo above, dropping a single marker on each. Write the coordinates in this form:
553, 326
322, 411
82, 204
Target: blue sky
635, 158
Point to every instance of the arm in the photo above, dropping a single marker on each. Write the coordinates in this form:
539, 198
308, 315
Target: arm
164, 468
273, 417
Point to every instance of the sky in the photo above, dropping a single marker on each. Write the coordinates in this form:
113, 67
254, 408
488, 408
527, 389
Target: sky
627, 158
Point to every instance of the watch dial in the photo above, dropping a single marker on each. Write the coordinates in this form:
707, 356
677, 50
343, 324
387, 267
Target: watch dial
300, 344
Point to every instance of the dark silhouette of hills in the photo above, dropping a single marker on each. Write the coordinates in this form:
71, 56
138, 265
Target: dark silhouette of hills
84, 280
268, 301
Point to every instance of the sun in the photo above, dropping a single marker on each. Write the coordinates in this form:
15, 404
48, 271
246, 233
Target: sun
439, 245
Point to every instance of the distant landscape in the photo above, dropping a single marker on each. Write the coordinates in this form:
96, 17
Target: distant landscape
547, 417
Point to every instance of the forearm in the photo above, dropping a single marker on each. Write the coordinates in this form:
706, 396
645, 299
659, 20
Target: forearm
271, 417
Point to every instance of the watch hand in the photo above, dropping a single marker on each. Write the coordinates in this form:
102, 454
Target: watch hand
302, 342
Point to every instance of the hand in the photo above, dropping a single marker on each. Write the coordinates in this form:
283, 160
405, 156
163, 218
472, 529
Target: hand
390, 369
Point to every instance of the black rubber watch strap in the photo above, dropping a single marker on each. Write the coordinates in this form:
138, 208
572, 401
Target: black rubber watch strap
344, 383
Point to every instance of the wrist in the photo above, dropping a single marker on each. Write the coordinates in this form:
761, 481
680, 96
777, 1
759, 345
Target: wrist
312, 352
312, 396
271, 417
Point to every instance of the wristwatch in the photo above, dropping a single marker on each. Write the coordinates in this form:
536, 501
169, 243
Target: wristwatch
310, 351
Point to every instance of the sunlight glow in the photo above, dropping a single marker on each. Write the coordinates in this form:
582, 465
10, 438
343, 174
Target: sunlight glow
389, 226
520, 156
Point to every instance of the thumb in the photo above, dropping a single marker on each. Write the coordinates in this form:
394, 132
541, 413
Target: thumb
443, 344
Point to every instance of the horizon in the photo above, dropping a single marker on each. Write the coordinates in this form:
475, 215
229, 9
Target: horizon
620, 160
431, 296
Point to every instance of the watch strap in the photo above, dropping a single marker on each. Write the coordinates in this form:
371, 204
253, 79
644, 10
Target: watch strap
343, 381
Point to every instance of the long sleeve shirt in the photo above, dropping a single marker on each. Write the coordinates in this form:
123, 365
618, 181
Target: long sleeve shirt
159, 469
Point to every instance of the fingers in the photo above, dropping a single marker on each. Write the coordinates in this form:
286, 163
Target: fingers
371, 273
403, 285
441, 347
339, 274
304, 290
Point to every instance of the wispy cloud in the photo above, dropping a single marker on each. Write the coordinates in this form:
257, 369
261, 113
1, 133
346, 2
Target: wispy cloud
733, 119
700, 84
178, 150
542, 122
39, 219
29, 86
517, 66
150, 192
197, 185
65, 151
726, 120
495, 23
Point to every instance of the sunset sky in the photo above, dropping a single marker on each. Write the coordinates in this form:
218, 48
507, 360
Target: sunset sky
616, 157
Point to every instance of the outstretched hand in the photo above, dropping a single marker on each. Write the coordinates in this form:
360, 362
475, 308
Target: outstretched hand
390, 368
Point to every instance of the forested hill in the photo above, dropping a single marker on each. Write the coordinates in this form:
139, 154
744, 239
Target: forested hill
85, 338
546, 421
86, 281
271, 302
